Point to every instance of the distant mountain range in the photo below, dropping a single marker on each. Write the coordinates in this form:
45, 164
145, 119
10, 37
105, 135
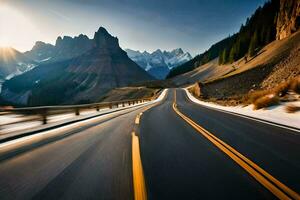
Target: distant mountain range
13, 62
74, 70
159, 63
65, 48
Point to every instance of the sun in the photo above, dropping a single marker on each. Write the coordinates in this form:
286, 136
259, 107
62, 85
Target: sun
16, 30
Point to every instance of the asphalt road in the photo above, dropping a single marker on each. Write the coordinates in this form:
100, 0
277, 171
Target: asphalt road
91, 162
179, 163
94, 160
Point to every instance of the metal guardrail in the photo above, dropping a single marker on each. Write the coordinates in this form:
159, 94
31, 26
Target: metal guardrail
43, 112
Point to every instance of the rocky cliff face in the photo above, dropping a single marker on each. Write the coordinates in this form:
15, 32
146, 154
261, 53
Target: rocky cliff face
82, 79
288, 20
65, 48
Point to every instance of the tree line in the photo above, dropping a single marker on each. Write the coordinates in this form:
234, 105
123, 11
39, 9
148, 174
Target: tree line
258, 31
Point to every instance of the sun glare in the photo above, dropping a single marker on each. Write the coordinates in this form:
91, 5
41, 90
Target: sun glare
7, 54
4, 43
15, 29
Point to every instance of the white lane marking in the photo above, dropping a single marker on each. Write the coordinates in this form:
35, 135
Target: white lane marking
63, 128
52, 132
243, 116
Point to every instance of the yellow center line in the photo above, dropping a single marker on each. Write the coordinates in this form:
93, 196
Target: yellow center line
268, 181
137, 119
139, 185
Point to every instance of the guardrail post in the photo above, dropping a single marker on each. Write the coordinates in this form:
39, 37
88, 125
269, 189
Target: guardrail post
44, 115
117, 105
77, 111
123, 104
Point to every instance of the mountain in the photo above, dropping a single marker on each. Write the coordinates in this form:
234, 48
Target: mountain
12, 63
258, 31
201, 59
82, 79
159, 63
274, 64
65, 48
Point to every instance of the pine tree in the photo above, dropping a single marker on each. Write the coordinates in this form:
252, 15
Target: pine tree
253, 44
268, 36
232, 54
238, 52
262, 36
221, 61
224, 55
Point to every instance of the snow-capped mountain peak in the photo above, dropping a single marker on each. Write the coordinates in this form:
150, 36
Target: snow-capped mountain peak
159, 63
178, 51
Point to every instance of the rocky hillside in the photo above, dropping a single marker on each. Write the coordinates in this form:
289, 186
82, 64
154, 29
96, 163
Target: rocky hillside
265, 68
82, 79
277, 19
159, 63
274, 64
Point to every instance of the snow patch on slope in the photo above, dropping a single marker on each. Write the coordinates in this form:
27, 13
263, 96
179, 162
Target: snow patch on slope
276, 114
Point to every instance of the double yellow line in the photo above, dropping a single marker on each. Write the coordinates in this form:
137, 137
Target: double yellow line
268, 181
139, 186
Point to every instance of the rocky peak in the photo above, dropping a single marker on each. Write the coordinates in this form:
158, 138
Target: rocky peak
58, 41
145, 53
104, 40
39, 45
178, 51
158, 51
82, 37
65, 41
158, 63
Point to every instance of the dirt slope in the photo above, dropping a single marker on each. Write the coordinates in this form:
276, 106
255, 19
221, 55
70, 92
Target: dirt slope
278, 61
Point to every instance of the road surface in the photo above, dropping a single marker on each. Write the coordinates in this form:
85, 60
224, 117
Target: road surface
179, 163
94, 160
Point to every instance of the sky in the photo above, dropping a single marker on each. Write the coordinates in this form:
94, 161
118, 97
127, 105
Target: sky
193, 25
